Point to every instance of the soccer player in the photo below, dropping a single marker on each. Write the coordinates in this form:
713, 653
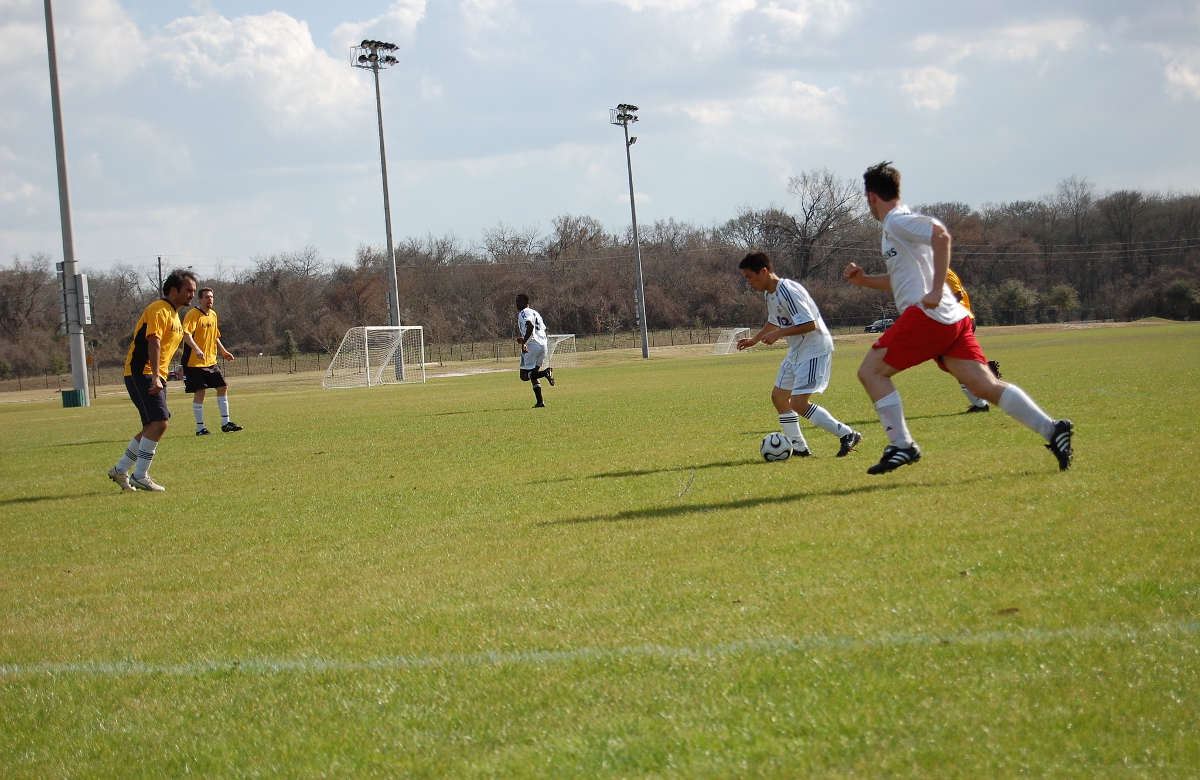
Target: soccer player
960, 295
533, 348
792, 314
932, 326
156, 336
201, 342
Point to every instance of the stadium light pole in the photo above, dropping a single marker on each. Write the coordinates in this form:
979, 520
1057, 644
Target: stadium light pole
625, 115
373, 55
72, 282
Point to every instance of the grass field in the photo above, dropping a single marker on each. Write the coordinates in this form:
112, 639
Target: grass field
437, 581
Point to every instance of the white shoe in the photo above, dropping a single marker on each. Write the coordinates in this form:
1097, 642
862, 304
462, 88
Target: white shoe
121, 478
146, 483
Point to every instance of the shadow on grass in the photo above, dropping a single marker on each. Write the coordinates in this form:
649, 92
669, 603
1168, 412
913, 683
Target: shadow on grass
40, 499
470, 411
741, 503
84, 443
721, 464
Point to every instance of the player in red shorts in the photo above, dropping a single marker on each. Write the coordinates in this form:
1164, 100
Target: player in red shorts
933, 325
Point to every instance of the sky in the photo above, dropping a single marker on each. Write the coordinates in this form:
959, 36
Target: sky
210, 132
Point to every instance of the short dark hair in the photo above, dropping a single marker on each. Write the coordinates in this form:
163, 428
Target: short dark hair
523, 298
756, 262
883, 180
202, 290
175, 280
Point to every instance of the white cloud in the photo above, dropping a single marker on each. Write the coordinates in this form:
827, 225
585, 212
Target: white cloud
1182, 72
930, 87
792, 17
397, 23
774, 97
1016, 42
273, 54
708, 24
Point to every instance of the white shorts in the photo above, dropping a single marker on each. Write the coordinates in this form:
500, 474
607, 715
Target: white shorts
534, 357
808, 376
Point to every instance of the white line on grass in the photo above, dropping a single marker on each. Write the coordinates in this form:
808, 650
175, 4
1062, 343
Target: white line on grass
775, 645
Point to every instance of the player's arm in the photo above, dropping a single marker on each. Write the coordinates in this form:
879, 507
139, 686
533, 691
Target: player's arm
154, 353
857, 276
224, 352
522, 339
187, 339
791, 330
940, 242
757, 337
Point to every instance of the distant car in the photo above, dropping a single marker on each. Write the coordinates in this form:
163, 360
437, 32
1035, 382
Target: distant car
879, 326
176, 375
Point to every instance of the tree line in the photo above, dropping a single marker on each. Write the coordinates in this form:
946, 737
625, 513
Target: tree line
1075, 252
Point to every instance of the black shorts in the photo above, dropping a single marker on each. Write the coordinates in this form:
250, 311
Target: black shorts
152, 408
197, 378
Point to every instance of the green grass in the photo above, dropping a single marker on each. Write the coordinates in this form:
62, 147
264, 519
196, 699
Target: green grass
437, 581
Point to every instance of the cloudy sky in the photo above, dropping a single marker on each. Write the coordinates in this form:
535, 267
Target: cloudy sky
212, 131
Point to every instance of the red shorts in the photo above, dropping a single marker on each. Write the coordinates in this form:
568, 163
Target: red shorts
916, 337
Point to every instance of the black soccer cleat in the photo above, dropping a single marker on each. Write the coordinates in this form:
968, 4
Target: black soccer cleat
994, 365
539, 405
550, 376
895, 457
204, 432
230, 427
1060, 443
800, 453
849, 442
972, 409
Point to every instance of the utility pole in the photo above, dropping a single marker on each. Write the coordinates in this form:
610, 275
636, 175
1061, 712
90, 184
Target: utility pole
625, 115
72, 281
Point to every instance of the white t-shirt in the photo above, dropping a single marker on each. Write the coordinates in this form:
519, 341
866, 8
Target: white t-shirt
528, 316
791, 304
908, 250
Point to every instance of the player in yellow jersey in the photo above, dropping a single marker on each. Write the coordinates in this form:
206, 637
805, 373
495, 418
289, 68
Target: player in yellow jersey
960, 294
156, 336
201, 343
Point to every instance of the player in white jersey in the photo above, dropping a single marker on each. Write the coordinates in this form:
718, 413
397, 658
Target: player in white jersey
533, 348
933, 325
792, 314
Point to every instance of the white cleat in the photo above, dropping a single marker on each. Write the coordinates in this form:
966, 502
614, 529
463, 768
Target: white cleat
146, 483
121, 478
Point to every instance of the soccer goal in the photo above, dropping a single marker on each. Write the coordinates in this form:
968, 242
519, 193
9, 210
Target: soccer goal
378, 355
560, 351
727, 343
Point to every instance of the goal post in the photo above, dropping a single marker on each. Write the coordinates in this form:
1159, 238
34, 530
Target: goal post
727, 342
560, 351
378, 355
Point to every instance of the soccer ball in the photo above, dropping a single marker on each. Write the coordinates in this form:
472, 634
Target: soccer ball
776, 446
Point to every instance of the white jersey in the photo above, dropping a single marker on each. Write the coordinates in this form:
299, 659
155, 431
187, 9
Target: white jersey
908, 249
526, 317
791, 304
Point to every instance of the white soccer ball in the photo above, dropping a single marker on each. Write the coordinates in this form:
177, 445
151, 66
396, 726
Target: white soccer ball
776, 446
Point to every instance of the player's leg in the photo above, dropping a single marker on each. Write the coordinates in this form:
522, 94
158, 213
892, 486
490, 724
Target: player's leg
198, 411
534, 359
789, 419
876, 374
535, 378
977, 404
227, 425
155, 427
1016, 403
137, 389
813, 378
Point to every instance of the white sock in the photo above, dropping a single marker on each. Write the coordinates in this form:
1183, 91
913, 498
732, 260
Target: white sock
891, 414
223, 405
145, 457
198, 410
974, 401
128, 460
819, 417
790, 422
1017, 404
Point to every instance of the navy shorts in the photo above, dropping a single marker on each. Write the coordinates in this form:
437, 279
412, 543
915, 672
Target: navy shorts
152, 408
201, 378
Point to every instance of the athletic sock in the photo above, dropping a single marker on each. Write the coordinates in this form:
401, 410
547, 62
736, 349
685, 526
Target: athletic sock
891, 414
1017, 404
974, 401
223, 405
821, 418
145, 457
537, 390
129, 459
198, 411
790, 422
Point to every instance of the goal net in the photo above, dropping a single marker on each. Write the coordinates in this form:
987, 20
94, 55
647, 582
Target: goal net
560, 351
727, 343
378, 355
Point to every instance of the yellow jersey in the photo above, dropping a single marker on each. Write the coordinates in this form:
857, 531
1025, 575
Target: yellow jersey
204, 331
162, 320
955, 285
